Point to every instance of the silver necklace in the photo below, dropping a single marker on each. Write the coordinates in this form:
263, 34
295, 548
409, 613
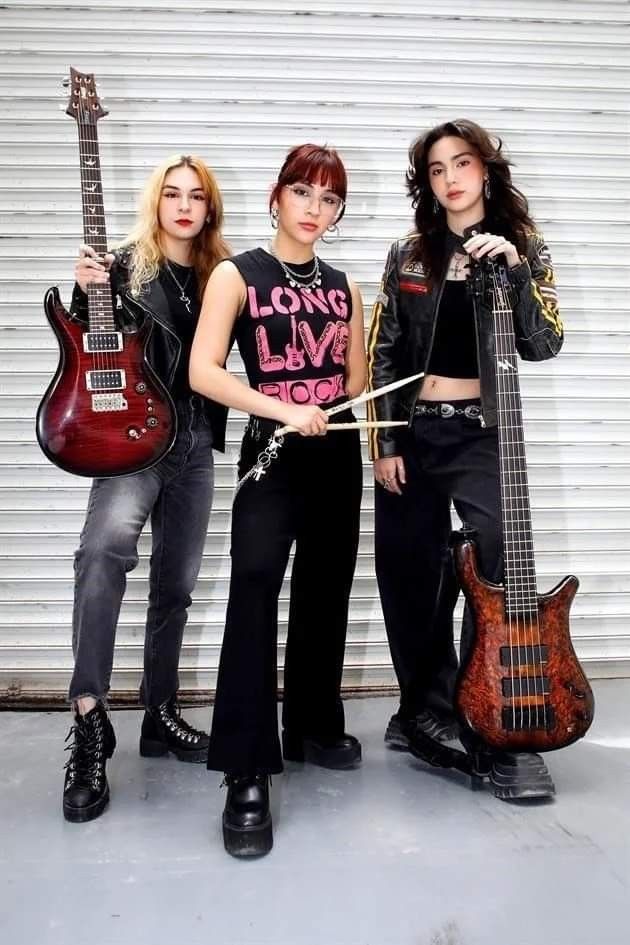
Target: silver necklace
299, 280
182, 297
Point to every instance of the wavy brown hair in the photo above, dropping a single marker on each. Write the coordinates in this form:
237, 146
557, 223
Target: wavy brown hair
147, 251
506, 211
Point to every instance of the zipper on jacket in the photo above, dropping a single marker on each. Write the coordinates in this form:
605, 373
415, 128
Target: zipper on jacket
166, 328
475, 319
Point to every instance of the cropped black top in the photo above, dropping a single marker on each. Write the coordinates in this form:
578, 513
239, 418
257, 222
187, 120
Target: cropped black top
454, 350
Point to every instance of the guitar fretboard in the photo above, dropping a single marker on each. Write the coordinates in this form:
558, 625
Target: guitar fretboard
520, 568
101, 315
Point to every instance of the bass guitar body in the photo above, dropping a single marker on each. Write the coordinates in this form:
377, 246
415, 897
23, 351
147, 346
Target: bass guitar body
521, 687
105, 412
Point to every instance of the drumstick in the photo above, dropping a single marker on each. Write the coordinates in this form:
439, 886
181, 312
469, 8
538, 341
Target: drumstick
361, 399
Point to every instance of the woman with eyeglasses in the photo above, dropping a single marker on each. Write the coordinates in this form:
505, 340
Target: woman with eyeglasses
298, 323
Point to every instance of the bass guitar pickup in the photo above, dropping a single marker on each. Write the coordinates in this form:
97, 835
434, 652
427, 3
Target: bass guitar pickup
108, 403
95, 342
105, 380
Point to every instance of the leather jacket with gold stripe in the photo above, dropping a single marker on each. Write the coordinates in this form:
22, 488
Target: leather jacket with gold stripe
403, 324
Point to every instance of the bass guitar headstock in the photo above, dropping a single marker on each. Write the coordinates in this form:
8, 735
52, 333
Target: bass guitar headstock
83, 102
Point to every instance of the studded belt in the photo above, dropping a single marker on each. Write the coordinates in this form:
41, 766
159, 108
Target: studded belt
446, 410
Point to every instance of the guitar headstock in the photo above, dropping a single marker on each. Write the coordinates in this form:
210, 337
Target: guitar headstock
83, 103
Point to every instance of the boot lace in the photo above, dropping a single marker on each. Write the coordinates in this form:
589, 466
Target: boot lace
171, 717
86, 764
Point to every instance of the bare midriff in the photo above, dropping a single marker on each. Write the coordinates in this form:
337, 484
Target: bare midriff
435, 387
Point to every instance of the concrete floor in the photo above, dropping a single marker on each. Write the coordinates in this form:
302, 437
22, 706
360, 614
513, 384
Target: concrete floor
391, 854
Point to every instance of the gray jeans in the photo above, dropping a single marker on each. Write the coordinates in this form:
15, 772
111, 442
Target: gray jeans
177, 494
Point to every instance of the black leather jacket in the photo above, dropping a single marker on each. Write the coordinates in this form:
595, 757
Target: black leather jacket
164, 346
403, 323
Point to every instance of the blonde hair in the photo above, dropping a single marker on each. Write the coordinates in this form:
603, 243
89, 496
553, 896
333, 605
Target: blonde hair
144, 240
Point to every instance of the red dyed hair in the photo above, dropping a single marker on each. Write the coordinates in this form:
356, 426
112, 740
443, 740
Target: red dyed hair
313, 164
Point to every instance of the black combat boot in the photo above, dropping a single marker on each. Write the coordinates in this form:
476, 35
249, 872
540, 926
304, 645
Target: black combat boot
247, 829
327, 751
164, 730
86, 791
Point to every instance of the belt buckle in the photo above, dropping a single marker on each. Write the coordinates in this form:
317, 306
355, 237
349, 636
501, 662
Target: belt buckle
447, 410
472, 411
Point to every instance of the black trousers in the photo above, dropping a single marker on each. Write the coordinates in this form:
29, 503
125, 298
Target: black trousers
446, 459
310, 496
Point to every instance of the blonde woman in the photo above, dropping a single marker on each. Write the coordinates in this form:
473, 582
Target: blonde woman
159, 273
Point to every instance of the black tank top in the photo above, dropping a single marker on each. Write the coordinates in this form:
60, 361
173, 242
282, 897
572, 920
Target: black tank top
293, 343
454, 351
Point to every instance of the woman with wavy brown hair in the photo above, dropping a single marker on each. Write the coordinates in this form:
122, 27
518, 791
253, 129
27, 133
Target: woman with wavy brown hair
426, 318
160, 274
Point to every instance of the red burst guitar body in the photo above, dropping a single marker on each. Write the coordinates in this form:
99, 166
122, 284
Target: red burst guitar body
521, 687
105, 412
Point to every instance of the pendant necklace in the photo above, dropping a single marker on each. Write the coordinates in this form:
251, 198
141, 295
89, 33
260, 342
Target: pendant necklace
298, 280
182, 297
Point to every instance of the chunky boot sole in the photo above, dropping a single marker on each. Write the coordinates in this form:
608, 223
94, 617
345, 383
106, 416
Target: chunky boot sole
521, 777
80, 815
248, 841
395, 738
304, 749
151, 748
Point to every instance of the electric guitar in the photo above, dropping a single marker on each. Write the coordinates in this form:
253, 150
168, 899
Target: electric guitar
521, 687
105, 412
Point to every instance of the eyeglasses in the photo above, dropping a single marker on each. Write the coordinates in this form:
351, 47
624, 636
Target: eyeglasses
302, 196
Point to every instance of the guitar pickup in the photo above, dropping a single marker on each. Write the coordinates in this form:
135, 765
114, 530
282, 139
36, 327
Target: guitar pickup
95, 341
515, 687
105, 380
524, 655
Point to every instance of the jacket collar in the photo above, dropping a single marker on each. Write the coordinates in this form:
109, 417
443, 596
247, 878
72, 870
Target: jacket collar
153, 296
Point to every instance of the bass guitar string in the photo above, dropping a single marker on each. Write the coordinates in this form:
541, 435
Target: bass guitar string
522, 570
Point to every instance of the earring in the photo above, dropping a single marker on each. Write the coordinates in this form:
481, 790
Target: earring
274, 218
486, 188
333, 229
209, 218
436, 204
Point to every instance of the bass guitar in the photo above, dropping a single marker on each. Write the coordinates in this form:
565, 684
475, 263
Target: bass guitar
521, 687
105, 412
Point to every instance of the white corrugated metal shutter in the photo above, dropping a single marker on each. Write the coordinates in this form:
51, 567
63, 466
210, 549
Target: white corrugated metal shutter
239, 85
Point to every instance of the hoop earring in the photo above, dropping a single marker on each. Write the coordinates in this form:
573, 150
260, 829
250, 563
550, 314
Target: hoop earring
436, 204
333, 229
274, 218
486, 188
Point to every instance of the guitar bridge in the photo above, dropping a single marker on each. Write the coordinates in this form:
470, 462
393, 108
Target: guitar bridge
105, 403
528, 718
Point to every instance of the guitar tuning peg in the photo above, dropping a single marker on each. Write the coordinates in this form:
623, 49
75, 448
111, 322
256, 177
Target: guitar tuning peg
65, 82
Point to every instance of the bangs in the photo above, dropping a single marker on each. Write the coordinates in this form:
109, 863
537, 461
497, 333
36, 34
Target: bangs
312, 164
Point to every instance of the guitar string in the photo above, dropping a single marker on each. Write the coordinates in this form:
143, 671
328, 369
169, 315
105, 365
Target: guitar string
92, 191
523, 570
504, 466
86, 155
513, 512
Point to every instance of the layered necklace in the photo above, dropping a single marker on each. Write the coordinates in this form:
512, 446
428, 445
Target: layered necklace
299, 280
182, 288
